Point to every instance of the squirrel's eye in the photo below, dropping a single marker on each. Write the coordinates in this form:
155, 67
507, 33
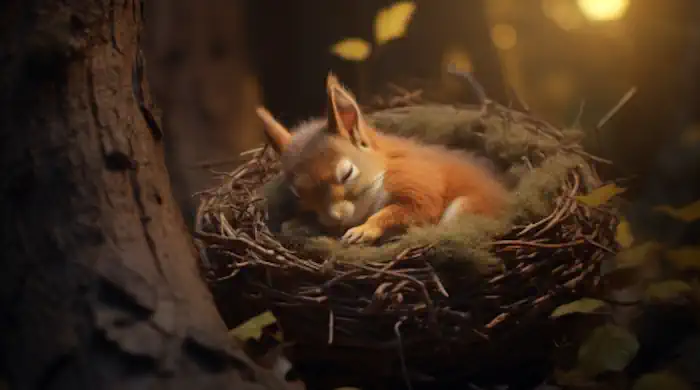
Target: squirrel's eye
348, 174
345, 171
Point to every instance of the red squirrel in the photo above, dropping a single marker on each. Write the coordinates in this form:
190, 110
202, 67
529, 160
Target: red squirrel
363, 181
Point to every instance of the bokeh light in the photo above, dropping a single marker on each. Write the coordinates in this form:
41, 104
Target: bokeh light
504, 36
564, 13
603, 10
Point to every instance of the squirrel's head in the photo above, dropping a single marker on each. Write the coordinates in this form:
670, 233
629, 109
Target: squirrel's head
332, 165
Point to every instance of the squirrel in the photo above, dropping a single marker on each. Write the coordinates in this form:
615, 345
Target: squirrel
365, 183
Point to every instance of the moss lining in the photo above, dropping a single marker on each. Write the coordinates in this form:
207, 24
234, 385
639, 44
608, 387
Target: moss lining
534, 158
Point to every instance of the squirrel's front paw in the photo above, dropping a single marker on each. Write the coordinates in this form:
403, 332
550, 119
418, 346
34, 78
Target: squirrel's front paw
362, 234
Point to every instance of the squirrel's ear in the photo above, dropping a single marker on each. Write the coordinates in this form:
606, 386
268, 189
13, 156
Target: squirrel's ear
345, 118
278, 135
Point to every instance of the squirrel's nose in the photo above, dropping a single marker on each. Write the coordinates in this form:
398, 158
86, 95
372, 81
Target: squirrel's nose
341, 210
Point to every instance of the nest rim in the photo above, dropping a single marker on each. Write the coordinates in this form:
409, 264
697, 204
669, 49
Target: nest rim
304, 299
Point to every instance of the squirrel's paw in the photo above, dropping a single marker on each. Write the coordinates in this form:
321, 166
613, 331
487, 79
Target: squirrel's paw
364, 233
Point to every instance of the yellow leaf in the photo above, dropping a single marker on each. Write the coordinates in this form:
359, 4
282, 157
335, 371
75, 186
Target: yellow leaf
352, 49
391, 22
253, 327
608, 348
623, 234
585, 305
638, 255
665, 380
600, 195
667, 290
687, 213
685, 258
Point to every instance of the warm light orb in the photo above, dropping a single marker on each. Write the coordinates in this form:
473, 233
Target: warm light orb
603, 10
504, 36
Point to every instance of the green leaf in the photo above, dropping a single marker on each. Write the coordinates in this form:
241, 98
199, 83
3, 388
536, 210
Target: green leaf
667, 290
687, 213
352, 49
391, 22
623, 234
662, 380
585, 305
638, 255
685, 258
600, 195
608, 348
253, 327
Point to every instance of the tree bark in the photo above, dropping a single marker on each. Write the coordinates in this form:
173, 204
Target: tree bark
99, 286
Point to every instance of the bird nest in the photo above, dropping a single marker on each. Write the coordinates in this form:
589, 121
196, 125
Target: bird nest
473, 295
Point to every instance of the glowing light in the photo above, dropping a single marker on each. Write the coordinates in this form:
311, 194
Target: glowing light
564, 13
504, 36
603, 10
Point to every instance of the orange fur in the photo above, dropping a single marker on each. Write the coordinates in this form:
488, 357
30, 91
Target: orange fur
418, 182
423, 180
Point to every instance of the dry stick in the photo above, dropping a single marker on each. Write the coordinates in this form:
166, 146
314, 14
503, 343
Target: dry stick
478, 89
606, 118
331, 326
402, 357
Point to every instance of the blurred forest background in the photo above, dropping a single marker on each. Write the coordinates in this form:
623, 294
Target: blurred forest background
564, 59
74, 94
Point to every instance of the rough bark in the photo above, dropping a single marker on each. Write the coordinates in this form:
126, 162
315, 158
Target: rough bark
99, 286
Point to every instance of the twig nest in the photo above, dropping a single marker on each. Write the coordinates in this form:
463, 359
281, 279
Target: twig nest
436, 297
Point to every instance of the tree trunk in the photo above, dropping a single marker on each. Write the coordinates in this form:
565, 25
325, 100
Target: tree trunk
99, 283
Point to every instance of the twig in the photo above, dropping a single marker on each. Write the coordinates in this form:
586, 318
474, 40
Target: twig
616, 108
404, 368
478, 89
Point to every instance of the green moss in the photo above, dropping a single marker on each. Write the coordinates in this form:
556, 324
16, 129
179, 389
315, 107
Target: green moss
537, 163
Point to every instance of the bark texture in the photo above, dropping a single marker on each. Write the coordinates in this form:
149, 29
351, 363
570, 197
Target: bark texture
99, 287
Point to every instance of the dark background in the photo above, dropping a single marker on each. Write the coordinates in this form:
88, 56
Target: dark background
653, 47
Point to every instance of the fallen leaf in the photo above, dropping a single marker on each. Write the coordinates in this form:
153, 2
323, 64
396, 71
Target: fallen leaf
600, 195
585, 305
352, 49
623, 234
391, 22
608, 348
687, 213
667, 290
665, 380
253, 327
638, 255
685, 258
